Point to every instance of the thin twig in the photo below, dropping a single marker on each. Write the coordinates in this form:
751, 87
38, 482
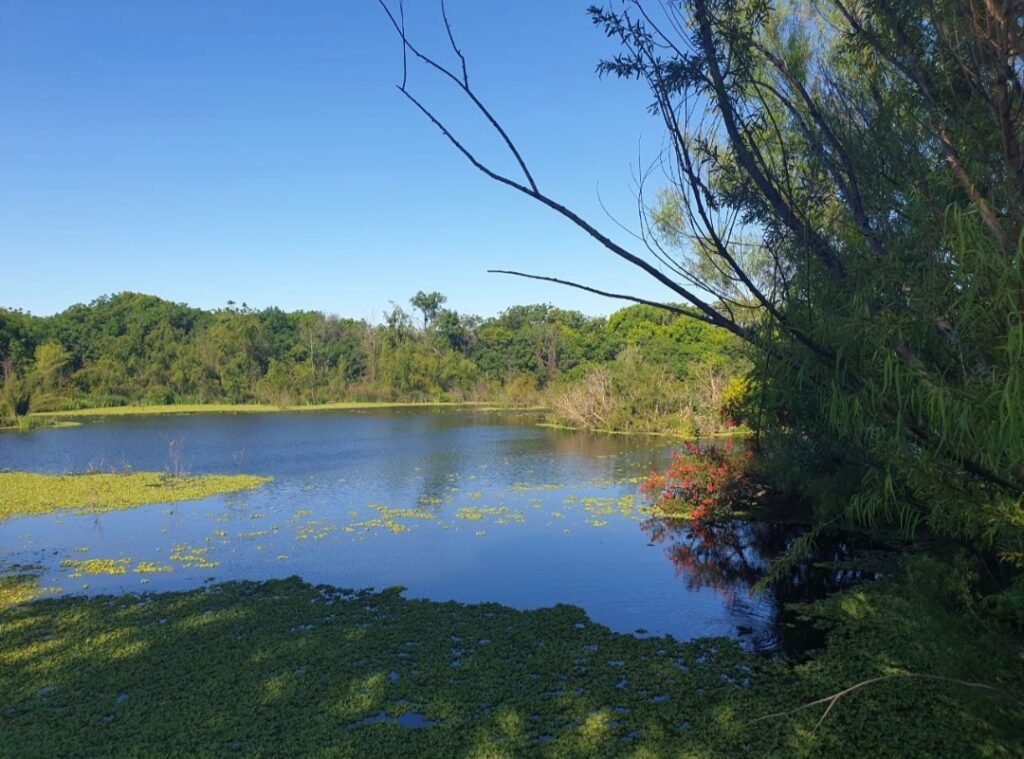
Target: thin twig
671, 307
464, 86
834, 698
451, 39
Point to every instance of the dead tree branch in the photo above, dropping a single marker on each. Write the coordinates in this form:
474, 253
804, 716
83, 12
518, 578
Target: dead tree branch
830, 701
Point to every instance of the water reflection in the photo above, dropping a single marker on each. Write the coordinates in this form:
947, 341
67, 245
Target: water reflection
732, 557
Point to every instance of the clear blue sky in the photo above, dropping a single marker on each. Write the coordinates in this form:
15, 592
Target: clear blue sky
258, 151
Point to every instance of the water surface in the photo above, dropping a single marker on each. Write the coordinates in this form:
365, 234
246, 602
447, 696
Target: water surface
454, 505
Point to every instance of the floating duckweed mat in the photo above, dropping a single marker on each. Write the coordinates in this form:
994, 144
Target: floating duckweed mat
286, 668
31, 494
20, 583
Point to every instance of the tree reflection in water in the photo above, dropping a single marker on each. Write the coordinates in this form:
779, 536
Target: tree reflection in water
730, 557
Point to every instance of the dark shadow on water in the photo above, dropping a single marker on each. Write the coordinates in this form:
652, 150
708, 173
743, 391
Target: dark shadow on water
732, 557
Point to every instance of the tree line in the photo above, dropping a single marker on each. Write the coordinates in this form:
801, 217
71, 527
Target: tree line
131, 348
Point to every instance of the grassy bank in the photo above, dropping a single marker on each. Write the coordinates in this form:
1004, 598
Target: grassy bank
724, 434
242, 408
286, 668
31, 494
29, 423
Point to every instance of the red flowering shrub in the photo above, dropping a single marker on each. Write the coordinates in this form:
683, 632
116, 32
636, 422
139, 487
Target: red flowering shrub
706, 481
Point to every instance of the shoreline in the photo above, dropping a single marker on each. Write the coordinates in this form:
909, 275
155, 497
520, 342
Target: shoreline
264, 408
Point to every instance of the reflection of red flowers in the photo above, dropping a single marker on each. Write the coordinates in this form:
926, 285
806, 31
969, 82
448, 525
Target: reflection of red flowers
708, 555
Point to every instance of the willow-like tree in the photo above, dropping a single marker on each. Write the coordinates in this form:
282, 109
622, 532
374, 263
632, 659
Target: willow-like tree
845, 191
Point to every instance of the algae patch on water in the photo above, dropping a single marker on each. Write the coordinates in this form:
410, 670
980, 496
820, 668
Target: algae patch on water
500, 514
80, 568
287, 668
19, 583
32, 494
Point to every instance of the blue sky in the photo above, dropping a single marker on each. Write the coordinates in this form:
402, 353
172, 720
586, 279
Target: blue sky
259, 152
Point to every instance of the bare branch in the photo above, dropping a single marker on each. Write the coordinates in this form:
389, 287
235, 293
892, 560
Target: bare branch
451, 39
604, 293
462, 148
464, 86
405, 50
834, 698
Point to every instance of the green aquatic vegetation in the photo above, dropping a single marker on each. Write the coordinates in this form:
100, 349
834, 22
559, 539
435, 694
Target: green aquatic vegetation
286, 668
32, 494
388, 512
314, 530
369, 525
502, 515
19, 583
624, 505
192, 558
254, 535
83, 567
598, 505
151, 568
524, 487
388, 519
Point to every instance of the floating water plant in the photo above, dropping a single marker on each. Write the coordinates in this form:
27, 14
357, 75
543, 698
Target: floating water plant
500, 514
31, 494
80, 568
192, 558
287, 668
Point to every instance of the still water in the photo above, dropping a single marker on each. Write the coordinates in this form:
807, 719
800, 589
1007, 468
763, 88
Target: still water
453, 505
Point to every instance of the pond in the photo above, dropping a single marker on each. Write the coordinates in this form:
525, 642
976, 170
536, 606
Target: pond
469, 506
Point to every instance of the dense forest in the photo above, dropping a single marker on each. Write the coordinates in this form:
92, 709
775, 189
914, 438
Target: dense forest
640, 368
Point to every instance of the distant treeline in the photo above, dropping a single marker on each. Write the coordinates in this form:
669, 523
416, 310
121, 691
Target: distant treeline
620, 372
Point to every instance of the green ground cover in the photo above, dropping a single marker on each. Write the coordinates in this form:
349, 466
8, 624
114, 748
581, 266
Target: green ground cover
32, 494
285, 668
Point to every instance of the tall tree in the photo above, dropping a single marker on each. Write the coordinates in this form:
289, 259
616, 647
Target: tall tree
847, 196
428, 304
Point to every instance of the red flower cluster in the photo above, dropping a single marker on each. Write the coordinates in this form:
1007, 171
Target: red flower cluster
707, 480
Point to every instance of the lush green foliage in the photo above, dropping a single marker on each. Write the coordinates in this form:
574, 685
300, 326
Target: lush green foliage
137, 349
31, 494
856, 207
669, 374
287, 668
